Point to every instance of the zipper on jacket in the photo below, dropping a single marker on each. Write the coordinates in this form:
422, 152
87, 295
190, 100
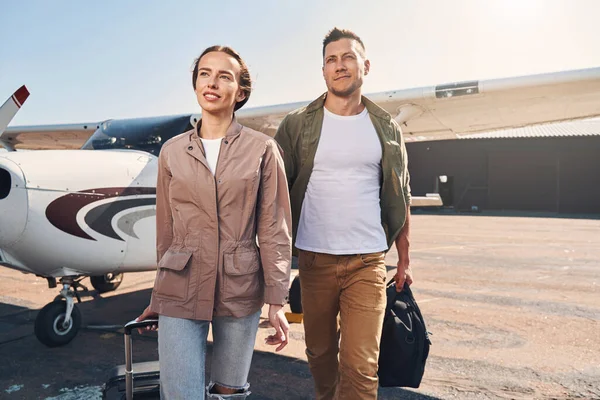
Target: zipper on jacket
216, 183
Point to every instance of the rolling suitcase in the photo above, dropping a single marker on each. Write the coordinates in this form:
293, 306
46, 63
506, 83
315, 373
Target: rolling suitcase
133, 381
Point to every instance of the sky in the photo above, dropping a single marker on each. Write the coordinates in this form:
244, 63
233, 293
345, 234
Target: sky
87, 61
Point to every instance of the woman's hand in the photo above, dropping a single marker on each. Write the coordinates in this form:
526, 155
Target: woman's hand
279, 322
147, 314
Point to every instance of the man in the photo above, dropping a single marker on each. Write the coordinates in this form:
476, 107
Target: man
347, 170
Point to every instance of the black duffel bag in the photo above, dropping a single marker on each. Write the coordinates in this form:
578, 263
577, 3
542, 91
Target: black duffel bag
404, 341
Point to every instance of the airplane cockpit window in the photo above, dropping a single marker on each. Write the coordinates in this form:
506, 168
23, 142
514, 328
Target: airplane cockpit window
148, 134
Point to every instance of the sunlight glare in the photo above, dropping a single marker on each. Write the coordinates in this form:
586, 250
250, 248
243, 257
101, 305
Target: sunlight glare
521, 9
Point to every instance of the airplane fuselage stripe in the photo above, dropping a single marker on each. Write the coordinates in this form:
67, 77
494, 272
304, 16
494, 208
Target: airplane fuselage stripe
62, 212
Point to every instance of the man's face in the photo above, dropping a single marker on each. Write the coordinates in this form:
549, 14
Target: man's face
344, 66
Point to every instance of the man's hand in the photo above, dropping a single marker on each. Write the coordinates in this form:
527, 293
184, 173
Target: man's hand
147, 314
404, 272
279, 322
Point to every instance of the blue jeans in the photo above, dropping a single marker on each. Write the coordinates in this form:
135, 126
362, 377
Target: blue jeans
182, 356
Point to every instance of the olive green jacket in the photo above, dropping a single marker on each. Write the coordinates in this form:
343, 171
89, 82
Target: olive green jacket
298, 135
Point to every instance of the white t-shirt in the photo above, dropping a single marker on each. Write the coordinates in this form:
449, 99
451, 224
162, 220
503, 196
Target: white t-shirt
341, 213
212, 147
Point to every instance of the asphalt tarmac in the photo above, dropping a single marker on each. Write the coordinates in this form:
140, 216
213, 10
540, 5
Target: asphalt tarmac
513, 303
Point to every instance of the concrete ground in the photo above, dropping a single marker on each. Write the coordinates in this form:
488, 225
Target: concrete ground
513, 304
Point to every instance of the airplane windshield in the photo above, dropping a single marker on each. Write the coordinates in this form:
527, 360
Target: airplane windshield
145, 134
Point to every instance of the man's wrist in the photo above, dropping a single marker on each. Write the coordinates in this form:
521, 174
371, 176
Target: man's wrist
403, 258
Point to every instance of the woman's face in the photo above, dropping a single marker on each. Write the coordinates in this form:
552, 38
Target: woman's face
217, 84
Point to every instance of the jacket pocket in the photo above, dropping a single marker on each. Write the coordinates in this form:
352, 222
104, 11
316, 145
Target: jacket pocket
241, 278
172, 279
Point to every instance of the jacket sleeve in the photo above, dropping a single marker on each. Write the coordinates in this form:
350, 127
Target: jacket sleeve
274, 222
283, 138
164, 218
405, 173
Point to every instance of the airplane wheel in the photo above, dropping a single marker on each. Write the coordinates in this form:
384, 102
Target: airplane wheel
48, 324
296, 296
107, 282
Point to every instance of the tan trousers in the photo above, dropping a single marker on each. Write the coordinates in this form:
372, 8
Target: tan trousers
343, 300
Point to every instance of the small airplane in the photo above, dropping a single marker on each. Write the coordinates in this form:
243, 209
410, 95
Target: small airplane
71, 211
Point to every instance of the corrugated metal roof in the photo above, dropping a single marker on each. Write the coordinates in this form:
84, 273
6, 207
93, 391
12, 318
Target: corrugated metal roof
590, 127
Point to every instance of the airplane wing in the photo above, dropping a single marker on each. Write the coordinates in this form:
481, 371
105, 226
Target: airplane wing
69, 136
447, 110
47, 137
427, 113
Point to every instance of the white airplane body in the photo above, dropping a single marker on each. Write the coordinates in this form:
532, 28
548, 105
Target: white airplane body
96, 219
68, 213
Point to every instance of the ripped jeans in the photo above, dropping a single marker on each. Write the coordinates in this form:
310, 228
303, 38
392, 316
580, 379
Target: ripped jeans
182, 356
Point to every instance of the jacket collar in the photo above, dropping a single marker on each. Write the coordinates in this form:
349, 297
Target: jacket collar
195, 148
234, 129
372, 108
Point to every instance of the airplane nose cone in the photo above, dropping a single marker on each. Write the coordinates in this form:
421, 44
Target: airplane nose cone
13, 202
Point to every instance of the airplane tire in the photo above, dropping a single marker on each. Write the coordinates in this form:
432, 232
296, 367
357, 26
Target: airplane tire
296, 296
107, 282
48, 324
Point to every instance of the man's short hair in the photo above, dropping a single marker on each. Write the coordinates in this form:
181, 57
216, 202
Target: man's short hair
336, 34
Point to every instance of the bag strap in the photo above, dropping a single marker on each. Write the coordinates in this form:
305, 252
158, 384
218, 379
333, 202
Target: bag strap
406, 288
413, 304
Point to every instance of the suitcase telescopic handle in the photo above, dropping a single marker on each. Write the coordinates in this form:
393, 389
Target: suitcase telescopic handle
131, 325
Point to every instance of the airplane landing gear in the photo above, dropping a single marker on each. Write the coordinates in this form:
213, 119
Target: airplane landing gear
107, 282
58, 322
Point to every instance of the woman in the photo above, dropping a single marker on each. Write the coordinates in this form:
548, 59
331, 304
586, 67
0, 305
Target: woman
219, 186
